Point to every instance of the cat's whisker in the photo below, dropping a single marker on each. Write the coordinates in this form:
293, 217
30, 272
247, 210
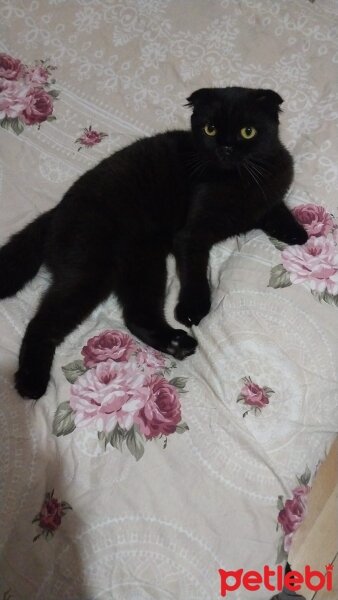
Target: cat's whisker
198, 169
256, 169
260, 174
261, 164
192, 159
196, 165
255, 180
257, 166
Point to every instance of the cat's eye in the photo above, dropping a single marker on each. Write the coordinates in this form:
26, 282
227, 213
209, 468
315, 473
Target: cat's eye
210, 129
248, 133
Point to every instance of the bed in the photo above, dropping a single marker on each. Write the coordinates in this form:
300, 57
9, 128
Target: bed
93, 508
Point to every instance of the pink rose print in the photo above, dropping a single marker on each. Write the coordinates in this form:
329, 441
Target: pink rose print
293, 513
161, 412
9, 67
254, 395
37, 75
50, 516
120, 389
38, 108
149, 357
90, 138
25, 94
114, 345
315, 219
107, 395
13, 98
315, 264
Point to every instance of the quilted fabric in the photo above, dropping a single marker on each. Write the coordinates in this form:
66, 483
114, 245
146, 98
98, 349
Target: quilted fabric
228, 448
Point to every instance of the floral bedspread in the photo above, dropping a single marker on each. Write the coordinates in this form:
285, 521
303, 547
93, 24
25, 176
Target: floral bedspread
137, 477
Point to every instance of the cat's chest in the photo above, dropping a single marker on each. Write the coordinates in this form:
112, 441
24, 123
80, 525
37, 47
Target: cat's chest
231, 194
228, 206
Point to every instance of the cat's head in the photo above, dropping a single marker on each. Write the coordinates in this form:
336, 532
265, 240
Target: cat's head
234, 125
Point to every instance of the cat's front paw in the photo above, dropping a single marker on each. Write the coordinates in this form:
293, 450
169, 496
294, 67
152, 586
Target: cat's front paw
31, 385
192, 310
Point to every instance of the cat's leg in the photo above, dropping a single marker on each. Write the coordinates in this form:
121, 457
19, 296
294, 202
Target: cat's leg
63, 307
192, 256
141, 291
280, 223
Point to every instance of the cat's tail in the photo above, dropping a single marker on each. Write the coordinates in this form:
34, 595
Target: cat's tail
22, 256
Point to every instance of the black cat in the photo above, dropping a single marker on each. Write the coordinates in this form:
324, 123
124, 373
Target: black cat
179, 192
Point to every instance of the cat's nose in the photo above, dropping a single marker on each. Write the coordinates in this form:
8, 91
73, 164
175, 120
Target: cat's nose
227, 150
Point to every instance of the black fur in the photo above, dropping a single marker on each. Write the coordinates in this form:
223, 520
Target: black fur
180, 192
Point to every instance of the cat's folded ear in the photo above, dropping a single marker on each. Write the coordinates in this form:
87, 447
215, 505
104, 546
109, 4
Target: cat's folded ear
199, 97
270, 100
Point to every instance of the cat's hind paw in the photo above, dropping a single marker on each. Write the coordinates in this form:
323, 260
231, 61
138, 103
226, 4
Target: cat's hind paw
181, 345
298, 237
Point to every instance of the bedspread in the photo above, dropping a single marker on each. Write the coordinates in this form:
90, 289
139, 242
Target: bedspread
204, 464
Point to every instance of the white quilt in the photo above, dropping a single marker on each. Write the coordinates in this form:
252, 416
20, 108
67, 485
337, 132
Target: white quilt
209, 462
